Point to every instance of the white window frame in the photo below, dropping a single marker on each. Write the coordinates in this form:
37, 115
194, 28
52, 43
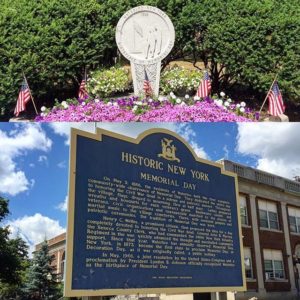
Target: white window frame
243, 205
294, 212
273, 256
268, 207
248, 262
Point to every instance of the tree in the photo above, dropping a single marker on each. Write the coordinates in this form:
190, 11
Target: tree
245, 44
51, 41
13, 258
40, 282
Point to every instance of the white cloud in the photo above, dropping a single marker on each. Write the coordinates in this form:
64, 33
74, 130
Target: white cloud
24, 138
32, 183
31, 165
12, 182
63, 129
62, 164
186, 131
43, 159
27, 136
133, 130
35, 229
199, 150
276, 146
226, 152
63, 206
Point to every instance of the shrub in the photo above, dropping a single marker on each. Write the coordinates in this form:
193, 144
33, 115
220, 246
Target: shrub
242, 43
105, 83
245, 43
179, 80
53, 41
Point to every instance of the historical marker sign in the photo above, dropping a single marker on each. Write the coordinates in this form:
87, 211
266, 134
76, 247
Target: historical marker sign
145, 35
148, 216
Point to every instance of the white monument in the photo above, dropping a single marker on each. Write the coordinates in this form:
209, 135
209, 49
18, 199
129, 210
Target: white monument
145, 36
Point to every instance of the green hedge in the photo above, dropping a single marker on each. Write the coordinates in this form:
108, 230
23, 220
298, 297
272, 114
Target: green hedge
242, 42
52, 41
245, 43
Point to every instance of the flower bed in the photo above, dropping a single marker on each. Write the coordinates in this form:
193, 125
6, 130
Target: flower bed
199, 112
134, 109
108, 82
180, 80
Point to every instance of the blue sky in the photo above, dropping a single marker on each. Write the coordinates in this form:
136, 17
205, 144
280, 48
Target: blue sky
34, 162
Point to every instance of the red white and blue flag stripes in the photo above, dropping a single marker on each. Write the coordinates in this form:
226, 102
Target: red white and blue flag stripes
204, 87
276, 105
147, 86
83, 94
23, 98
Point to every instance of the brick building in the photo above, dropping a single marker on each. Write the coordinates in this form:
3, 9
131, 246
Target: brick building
57, 246
270, 215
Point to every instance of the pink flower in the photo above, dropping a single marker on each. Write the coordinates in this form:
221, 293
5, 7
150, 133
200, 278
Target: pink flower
201, 111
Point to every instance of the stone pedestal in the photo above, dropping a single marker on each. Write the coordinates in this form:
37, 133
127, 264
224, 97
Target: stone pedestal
138, 76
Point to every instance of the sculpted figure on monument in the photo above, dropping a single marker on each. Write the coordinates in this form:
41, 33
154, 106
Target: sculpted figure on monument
153, 42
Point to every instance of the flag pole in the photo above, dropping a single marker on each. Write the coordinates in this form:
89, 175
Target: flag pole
30, 94
210, 83
268, 93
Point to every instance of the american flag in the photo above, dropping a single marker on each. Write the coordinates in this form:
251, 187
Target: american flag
276, 105
204, 87
82, 94
147, 86
23, 99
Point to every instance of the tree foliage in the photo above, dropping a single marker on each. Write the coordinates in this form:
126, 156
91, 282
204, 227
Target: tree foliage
242, 42
13, 258
38, 285
246, 43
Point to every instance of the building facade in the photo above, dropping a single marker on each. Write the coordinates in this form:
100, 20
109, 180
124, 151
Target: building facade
270, 217
270, 214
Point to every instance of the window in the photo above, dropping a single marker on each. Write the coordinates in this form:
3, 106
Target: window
248, 263
294, 217
273, 264
243, 210
268, 215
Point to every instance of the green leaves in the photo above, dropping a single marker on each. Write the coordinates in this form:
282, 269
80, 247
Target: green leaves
13, 254
52, 41
3, 208
243, 43
37, 283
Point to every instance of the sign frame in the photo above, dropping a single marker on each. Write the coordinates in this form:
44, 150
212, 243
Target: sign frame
68, 291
